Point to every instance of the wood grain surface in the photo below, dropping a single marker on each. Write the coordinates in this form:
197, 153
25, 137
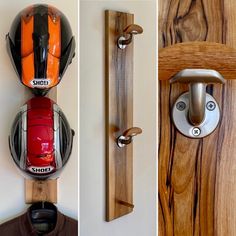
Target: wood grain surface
40, 190
197, 55
119, 116
197, 178
44, 190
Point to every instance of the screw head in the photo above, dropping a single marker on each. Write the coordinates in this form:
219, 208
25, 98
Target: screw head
181, 106
211, 106
196, 131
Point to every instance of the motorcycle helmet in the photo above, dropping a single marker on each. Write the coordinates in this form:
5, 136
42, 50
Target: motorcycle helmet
41, 138
41, 46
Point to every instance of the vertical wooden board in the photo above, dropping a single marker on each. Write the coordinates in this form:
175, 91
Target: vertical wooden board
119, 116
225, 201
197, 178
45, 190
40, 190
53, 94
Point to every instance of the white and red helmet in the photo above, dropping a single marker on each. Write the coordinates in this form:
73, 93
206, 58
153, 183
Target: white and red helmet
41, 138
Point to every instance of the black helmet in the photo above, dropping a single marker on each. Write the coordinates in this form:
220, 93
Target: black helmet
41, 46
41, 138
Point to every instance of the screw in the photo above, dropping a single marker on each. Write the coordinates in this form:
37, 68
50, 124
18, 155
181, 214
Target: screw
180, 106
211, 106
196, 131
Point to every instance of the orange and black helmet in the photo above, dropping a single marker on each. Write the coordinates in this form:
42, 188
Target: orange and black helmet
41, 46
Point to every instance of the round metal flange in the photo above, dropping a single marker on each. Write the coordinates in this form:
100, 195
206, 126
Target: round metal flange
119, 141
119, 42
181, 120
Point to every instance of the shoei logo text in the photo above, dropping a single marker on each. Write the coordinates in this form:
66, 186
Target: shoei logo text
41, 170
40, 83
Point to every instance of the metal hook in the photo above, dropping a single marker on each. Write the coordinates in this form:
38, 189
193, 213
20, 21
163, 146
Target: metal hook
127, 137
197, 80
130, 30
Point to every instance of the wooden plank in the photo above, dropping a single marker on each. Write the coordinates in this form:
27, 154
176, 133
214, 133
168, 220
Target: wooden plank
225, 196
40, 190
197, 184
52, 94
119, 114
194, 55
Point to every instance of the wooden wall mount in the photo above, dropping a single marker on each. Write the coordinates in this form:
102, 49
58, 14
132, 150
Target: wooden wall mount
193, 55
40, 191
119, 116
196, 178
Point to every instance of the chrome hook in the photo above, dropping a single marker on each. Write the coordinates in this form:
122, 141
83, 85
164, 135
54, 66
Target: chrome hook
196, 113
130, 30
127, 137
197, 80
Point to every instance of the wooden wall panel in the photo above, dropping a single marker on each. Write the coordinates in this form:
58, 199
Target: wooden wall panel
40, 190
45, 190
216, 56
119, 117
197, 178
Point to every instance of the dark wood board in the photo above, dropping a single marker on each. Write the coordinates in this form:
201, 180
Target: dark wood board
119, 116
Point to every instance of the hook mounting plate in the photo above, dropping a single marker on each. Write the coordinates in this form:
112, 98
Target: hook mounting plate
181, 120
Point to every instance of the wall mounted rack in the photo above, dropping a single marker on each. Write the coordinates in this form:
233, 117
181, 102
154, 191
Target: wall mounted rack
42, 190
120, 31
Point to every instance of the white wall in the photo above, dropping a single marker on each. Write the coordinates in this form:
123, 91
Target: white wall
12, 96
142, 222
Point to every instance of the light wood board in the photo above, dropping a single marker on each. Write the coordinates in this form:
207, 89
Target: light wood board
40, 190
197, 55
